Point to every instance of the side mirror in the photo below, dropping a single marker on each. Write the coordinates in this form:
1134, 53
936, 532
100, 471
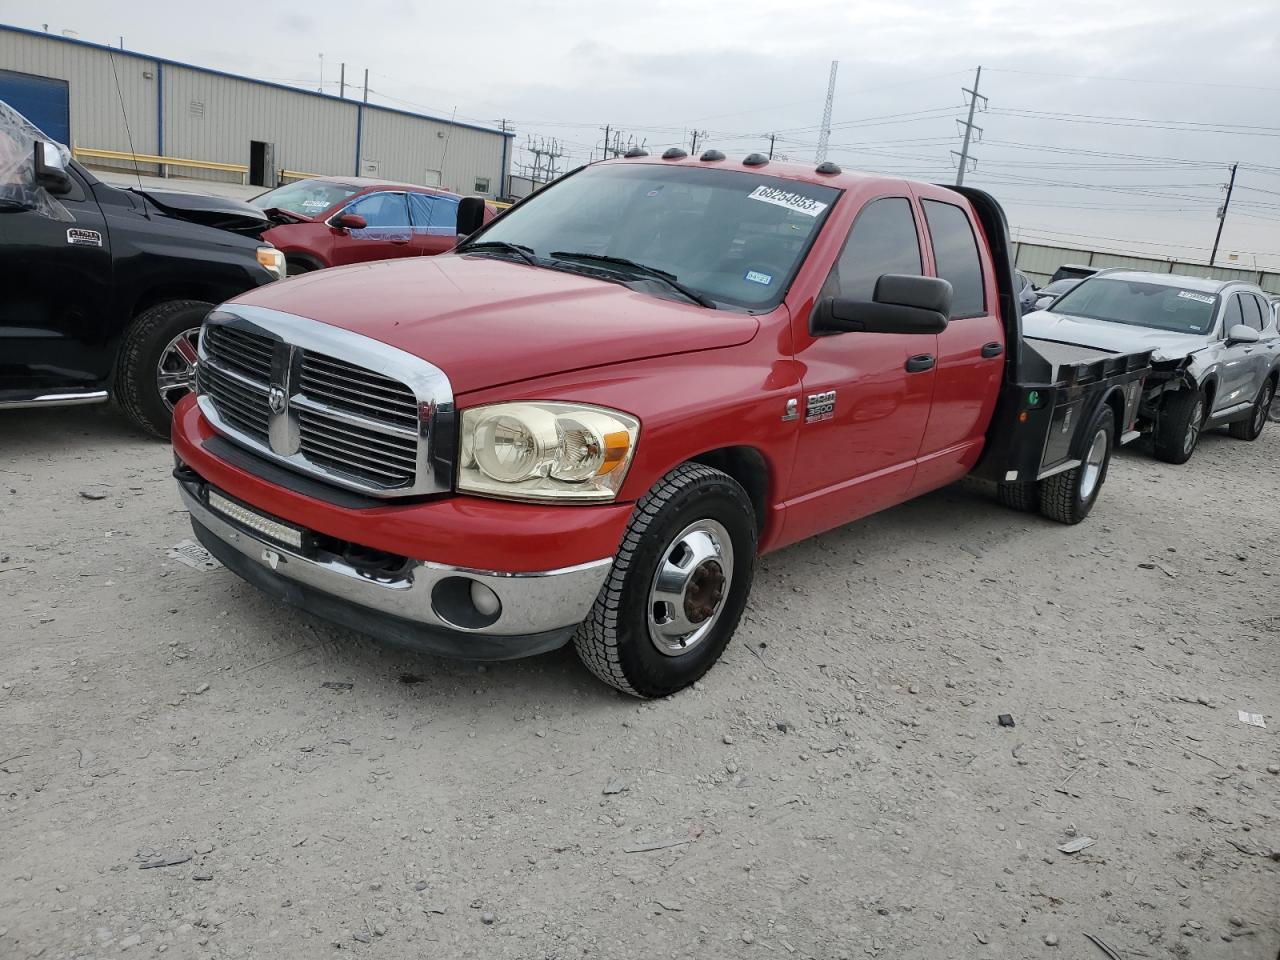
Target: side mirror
471, 212
350, 221
901, 304
50, 171
1241, 333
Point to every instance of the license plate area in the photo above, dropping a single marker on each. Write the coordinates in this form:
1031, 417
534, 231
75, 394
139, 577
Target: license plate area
259, 523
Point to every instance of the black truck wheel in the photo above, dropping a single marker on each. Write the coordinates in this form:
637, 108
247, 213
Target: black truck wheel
157, 363
1178, 429
678, 585
1069, 496
1251, 429
1019, 496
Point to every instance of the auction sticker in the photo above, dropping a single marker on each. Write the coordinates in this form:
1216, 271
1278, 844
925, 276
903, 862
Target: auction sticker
756, 277
1197, 297
796, 202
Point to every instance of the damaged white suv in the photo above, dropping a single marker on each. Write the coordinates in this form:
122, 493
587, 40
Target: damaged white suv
1215, 348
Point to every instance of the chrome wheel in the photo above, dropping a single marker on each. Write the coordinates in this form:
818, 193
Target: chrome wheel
1093, 461
176, 371
1264, 407
690, 587
1193, 426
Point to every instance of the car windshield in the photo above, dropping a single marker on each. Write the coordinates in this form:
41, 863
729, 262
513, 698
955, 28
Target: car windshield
1160, 306
733, 237
1057, 287
307, 197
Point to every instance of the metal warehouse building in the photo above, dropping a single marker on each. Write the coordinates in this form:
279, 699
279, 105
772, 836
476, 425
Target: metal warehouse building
230, 127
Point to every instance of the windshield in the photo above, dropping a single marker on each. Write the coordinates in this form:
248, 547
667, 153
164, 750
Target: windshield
1058, 287
1157, 305
736, 238
307, 197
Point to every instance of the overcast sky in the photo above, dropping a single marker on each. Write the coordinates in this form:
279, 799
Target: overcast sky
1200, 89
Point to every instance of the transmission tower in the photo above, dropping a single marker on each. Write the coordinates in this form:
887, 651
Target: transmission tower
826, 114
968, 127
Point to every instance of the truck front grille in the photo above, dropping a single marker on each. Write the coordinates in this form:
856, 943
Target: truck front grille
331, 416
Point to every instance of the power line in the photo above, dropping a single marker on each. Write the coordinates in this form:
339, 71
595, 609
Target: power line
1085, 76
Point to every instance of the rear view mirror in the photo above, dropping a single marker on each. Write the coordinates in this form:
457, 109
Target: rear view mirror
50, 170
470, 216
350, 221
901, 304
1243, 334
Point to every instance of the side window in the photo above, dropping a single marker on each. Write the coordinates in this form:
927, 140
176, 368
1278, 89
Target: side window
438, 214
1234, 315
955, 250
882, 240
1253, 315
382, 211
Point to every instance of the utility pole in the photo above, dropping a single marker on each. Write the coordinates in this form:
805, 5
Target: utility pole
825, 135
974, 97
320, 89
342, 80
693, 143
604, 152
366, 84
1222, 214
772, 137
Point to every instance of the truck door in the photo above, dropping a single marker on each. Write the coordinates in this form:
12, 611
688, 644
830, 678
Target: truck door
866, 395
386, 232
57, 302
970, 351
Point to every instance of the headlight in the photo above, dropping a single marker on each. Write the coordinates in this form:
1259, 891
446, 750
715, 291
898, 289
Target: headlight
272, 260
546, 451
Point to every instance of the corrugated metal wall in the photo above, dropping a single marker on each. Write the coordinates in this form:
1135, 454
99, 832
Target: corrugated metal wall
1039, 262
213, 117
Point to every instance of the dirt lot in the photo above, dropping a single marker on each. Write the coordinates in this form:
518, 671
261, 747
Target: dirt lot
837, 787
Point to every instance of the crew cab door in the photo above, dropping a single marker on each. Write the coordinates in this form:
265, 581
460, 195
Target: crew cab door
866, 395
57, 303
971, 348
387, 232
435, 223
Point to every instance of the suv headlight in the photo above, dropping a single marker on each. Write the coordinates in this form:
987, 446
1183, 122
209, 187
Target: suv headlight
272, 260
546, 451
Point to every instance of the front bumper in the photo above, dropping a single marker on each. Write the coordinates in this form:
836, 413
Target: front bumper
421, 604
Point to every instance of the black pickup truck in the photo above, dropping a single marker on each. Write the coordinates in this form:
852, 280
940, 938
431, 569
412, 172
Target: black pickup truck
105, 289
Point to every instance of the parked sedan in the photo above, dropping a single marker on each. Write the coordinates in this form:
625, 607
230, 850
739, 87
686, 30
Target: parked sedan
1052, 291
1216, 352
1026, 291
332, 221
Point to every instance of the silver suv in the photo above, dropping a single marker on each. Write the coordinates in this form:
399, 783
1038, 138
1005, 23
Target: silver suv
1216, 350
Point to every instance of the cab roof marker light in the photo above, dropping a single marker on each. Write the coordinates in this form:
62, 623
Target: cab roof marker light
828, 168
674, 153
711, 156
755, 160
636, 152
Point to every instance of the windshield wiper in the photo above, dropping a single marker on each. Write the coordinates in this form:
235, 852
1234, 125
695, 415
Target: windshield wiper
519, 249
644, 270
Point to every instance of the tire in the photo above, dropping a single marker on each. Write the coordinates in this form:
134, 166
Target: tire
161, 340
294, 267
1251, 429
1069, 496
623, 639
1019, 496
1178, 430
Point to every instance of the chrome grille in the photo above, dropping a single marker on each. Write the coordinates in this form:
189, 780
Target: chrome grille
347, 387
327, 402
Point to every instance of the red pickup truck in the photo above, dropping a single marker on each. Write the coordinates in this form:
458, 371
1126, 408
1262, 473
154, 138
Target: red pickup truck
588, 420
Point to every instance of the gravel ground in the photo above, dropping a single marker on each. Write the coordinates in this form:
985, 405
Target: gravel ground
838, 786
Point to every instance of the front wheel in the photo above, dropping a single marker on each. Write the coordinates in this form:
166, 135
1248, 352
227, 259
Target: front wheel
1178, 429
1251, 429
157, 364
678, 585
1069, 496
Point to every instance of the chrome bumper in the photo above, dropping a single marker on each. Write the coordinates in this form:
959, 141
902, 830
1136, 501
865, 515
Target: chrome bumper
537, 608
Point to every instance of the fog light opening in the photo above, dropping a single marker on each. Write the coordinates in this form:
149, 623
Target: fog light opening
466, 603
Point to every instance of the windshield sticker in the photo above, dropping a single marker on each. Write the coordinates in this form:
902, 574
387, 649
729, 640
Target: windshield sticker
1197, 297
314, 204
796, 202
755, 277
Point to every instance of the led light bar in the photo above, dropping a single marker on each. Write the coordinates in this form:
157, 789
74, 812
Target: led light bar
272, 529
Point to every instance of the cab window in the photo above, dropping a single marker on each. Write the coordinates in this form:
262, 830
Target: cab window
1253, 312
434, 213
882, 240
955, 251
382, 211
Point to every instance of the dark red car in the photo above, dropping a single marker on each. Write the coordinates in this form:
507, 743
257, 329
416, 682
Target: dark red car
333, 221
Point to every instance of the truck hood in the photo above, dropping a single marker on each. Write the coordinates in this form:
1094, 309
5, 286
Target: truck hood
1112, 337
486, 321
221, 212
